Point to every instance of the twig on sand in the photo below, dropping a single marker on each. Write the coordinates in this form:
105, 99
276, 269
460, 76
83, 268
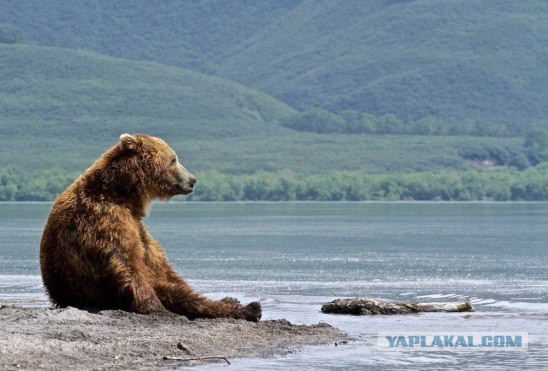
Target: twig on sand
196, 358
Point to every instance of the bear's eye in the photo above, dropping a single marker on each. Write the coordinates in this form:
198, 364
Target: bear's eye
173, 160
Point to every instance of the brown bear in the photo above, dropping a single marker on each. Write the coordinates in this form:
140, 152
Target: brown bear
97, 254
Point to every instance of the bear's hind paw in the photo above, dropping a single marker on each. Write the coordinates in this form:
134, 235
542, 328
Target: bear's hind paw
252, 311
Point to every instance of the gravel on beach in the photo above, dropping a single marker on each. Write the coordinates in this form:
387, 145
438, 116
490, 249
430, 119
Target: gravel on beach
69, 338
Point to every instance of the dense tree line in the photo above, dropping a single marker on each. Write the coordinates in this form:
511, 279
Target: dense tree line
40, 186
500, 155
473, 185
318, 120
498, 185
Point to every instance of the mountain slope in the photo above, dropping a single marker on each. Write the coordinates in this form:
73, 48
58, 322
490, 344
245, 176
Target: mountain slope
191, 34
456, 60
464, 60
60, 109
52, 97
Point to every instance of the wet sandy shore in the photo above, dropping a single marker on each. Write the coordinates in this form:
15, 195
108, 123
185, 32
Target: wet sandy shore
44, 338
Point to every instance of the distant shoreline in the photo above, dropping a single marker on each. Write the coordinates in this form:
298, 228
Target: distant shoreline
435, 202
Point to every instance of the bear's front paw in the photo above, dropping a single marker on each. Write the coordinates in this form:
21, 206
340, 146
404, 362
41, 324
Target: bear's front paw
252, 311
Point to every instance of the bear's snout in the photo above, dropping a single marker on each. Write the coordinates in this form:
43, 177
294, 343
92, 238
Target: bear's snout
189, 181
185, 181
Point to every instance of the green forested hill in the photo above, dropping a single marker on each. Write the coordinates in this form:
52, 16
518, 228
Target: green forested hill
51, 98
458, 61
194, 34
60, 109
439, 68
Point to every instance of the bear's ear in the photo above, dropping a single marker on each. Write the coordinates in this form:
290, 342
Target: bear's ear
128, 141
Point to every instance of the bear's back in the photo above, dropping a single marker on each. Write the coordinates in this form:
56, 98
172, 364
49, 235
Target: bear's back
74, 250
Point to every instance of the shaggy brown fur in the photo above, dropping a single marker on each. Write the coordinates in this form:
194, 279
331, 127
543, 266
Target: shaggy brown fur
95, 250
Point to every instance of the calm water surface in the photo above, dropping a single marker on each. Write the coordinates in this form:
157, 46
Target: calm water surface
293, 257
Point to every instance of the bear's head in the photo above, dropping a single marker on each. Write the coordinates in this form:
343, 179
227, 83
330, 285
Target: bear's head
150, 162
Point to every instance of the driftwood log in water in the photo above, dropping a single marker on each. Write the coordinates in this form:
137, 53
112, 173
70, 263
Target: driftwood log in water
364, 307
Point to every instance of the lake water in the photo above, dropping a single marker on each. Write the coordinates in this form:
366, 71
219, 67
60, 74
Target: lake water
294, 257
